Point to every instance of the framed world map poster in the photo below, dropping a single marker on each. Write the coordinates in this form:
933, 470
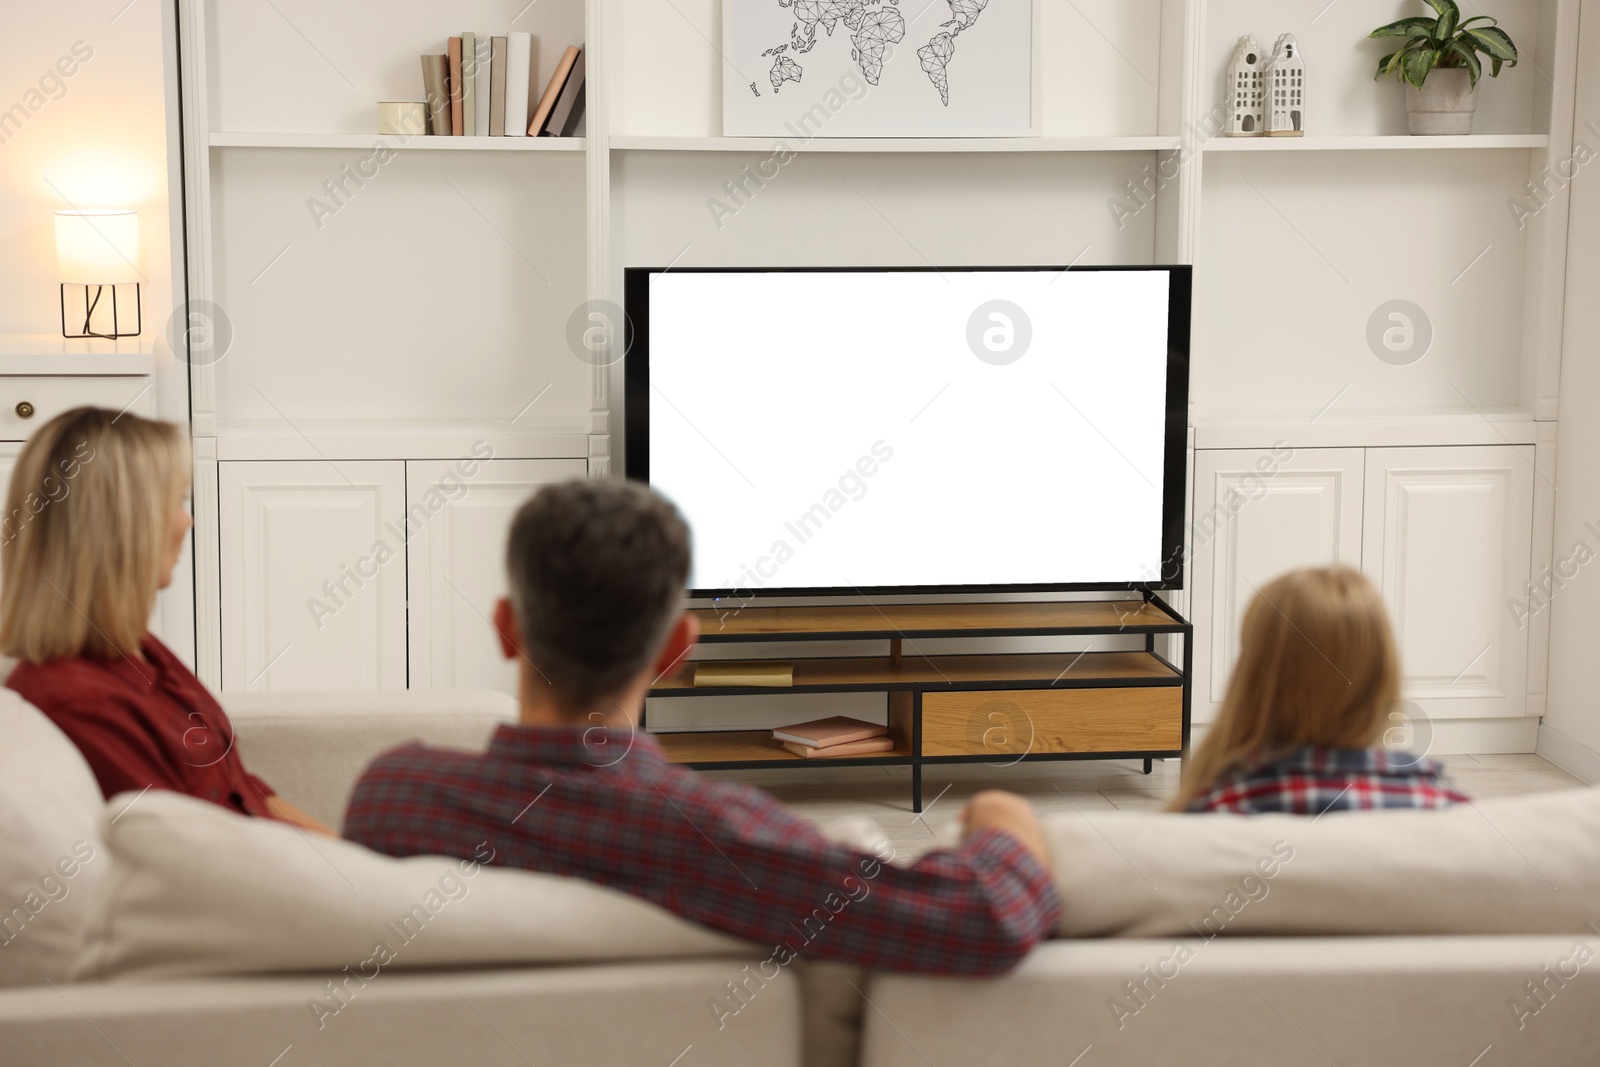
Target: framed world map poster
799, 69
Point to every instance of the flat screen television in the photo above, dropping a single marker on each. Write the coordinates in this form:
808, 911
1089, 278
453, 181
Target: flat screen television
914, 430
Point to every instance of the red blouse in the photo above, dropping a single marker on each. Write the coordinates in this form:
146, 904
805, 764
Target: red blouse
148, 724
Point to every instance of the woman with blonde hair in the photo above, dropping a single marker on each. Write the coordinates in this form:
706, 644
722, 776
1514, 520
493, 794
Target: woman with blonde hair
1301, 725
94, 524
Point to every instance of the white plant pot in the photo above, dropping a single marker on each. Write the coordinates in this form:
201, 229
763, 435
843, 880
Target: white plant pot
1444, 105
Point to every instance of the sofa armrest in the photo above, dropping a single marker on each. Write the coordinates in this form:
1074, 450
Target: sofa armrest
311, 747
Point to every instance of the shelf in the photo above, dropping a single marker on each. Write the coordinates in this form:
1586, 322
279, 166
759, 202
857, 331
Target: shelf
235, 139
1402, 143
48, 353
754, 746
934, 620
879, 673
766, 145
358, 439
1363, 429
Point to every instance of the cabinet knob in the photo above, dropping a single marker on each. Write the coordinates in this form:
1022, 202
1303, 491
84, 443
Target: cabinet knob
24, 410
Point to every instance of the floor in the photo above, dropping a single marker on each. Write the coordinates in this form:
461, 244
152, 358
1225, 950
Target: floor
884, 793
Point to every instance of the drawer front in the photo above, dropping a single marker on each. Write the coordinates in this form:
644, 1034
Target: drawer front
1011, 723
50, 396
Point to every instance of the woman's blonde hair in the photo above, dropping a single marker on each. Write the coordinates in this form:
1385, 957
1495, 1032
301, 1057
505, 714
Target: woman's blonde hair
1317, 666
85, 533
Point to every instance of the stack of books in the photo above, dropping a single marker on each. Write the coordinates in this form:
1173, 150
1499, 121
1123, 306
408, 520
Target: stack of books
482, 86
838, 735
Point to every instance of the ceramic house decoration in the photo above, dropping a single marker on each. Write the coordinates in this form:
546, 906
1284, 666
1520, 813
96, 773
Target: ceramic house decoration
1245, 114
1285, 79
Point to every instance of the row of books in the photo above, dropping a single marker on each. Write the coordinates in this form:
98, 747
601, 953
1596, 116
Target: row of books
482, 86
837, 735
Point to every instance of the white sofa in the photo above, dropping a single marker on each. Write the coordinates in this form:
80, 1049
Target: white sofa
194, 937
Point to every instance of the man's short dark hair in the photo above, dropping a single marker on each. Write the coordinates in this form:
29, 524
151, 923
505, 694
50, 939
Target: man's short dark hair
597, 570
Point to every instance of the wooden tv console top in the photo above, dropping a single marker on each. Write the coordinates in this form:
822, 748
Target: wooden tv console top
1020, 619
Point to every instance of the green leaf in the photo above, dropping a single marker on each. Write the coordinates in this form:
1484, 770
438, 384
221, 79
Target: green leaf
1468, 58
1493, 42
1494, 71
1446, 7
1386, 65
1476, 18
1411, 27
1445, 28
1418, 64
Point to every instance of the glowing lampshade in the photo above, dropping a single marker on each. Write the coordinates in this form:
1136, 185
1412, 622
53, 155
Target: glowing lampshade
97, 247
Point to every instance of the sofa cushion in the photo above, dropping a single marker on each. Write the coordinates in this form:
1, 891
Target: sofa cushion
197, 889
311, 747
52, 862
638, 1014
1527, 865
1302, 1002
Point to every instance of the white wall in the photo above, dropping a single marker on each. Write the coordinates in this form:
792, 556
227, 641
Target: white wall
95, 139
1571, 730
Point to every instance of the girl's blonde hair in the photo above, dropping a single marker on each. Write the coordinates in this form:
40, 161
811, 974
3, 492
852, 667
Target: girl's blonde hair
1317, 666
85, 533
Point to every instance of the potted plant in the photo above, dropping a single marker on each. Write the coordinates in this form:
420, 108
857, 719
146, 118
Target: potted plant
1439, 65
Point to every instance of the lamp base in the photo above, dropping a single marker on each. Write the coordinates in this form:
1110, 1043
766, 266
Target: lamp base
101, 317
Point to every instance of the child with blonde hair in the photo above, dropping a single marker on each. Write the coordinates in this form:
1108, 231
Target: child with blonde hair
1301, 726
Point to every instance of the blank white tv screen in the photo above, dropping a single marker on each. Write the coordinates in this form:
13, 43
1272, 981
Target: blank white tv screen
911, 430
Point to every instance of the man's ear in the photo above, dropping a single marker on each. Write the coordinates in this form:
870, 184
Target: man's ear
505, 627
680, 642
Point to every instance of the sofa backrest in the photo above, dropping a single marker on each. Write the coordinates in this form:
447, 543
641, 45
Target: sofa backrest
198, 889
53, 859
311, 747
1517, 865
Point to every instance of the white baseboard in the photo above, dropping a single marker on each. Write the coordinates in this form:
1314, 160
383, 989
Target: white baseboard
1574, 757
1453, 737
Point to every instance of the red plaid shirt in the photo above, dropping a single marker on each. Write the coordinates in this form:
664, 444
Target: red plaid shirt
607, 806
1312, 780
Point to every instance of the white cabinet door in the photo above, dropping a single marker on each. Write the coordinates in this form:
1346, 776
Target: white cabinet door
1259, 513
8, 463
1447, 535
313, 575
457, 526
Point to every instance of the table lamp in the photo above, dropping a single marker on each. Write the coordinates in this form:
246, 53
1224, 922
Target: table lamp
98, 252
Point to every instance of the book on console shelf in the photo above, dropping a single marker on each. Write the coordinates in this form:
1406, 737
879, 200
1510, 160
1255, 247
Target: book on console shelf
849, 748
831, 732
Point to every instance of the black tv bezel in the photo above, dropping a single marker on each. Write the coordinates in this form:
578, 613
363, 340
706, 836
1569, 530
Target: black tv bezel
636, 399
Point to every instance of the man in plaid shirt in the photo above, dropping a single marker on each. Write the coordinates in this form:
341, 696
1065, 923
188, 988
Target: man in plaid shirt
1315, 778
597, 574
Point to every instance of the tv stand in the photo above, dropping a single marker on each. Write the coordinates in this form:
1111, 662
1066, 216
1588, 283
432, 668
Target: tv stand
997, 708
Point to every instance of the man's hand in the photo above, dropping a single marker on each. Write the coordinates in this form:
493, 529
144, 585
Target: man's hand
995, 809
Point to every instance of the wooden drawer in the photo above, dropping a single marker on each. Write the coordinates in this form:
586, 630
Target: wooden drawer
50, 396
1052, 720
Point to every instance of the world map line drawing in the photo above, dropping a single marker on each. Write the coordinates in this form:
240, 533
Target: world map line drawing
873, 27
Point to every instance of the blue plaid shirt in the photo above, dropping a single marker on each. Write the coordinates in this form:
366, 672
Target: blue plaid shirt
1314, 779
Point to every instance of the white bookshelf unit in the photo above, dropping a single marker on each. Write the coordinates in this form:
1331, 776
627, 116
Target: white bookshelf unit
430, 312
